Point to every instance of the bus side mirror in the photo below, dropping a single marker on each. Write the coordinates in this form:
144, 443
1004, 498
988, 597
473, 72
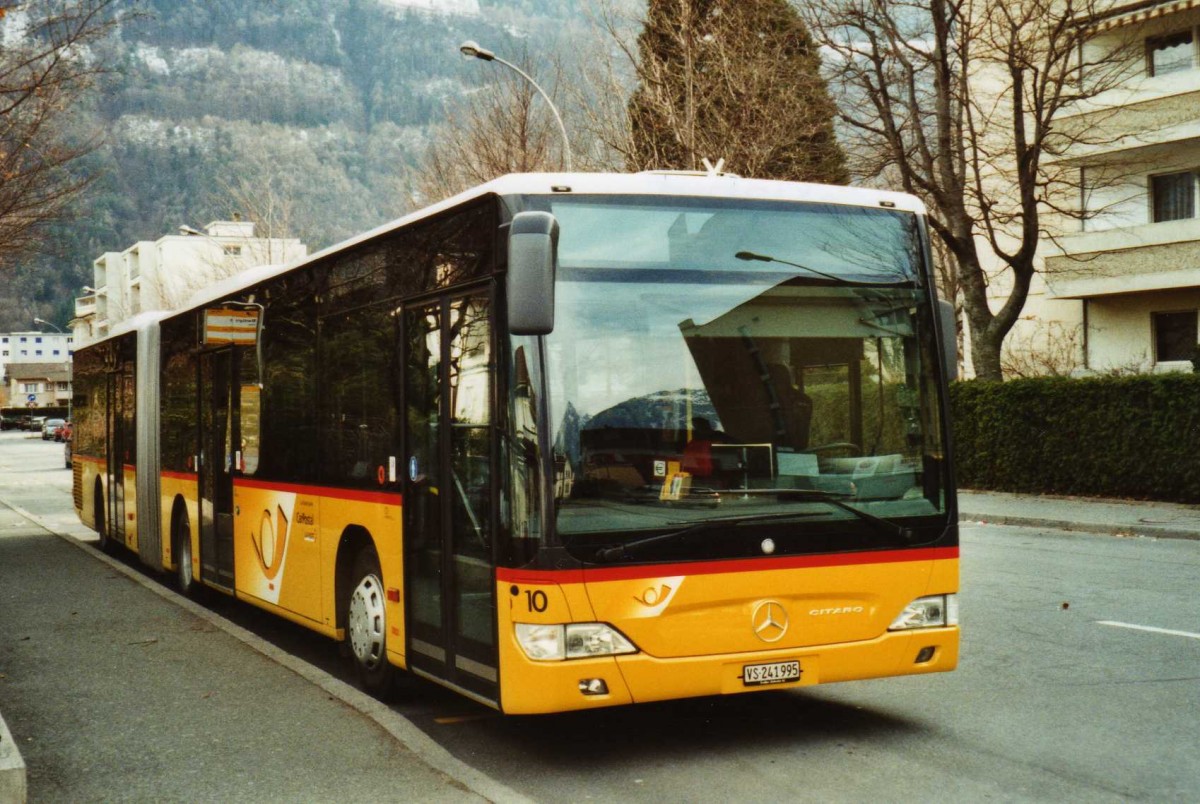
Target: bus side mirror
949, 327
532, 260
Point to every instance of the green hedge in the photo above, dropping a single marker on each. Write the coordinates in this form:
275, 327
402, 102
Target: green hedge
1134, 437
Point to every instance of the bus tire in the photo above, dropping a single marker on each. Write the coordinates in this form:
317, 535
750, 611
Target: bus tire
366, 624
181, 551
105, 544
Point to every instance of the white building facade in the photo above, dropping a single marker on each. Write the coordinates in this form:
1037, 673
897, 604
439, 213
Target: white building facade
36, 347
162, 274
1119, 290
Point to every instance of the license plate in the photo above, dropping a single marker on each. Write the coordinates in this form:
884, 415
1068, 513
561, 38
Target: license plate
754, 675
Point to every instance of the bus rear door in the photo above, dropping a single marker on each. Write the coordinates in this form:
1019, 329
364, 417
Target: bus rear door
217, 389
120, 439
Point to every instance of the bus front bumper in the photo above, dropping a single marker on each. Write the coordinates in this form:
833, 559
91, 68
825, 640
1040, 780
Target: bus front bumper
531, 687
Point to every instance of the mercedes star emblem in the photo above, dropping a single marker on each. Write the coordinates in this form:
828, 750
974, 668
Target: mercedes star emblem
769, 620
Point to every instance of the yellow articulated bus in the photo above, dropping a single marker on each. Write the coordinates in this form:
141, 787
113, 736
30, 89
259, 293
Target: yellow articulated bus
562, 441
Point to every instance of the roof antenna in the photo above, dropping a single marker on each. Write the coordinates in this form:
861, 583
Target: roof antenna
713, 170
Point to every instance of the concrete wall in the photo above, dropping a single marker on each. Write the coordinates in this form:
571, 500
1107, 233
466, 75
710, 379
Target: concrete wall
1120, 333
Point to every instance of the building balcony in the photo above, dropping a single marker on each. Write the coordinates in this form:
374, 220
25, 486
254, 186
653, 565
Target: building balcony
1142, 91
85, 306
1133, 259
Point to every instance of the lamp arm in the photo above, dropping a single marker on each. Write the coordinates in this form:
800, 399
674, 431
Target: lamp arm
550, 103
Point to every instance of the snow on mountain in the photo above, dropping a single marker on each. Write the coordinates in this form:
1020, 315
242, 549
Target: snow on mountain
459, 7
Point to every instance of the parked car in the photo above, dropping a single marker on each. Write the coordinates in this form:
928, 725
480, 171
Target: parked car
35, 424
67, 445
49, 426
61, 431
9, 422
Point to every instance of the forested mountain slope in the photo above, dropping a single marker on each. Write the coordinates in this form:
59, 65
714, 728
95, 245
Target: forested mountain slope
309, 112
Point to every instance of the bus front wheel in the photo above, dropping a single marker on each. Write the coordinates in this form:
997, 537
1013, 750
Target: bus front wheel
366, 624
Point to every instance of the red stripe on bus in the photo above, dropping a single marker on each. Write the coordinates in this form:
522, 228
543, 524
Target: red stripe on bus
381, 497
593, 574
180, 475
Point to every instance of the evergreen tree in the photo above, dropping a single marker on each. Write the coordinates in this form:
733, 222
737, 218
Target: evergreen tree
737, 80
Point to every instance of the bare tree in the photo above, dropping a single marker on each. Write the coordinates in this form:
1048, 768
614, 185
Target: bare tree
47, 67
501, 126
966, 102
270, 208
1050, 352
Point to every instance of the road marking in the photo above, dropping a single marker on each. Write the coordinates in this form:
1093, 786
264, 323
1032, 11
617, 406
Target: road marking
1149, 628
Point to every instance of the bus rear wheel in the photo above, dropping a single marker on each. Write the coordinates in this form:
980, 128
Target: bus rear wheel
106, 543
181, 550
366, 625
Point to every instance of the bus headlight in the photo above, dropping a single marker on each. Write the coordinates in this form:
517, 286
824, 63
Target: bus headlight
935, 611
547, 643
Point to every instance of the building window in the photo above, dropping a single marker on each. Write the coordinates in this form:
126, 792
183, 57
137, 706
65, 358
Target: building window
62, 386
1173, 196
1171, 53
1175, 335
232, 251
30, 388
37, 340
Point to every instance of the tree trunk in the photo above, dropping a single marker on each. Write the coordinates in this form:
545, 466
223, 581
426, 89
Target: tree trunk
985, 354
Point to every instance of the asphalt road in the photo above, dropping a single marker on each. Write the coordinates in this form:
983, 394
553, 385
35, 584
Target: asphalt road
1079, 680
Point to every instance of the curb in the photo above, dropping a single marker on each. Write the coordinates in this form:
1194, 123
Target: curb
13, 788
423, 747
1144, 531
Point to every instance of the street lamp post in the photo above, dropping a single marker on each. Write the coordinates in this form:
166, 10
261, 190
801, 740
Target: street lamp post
473, 50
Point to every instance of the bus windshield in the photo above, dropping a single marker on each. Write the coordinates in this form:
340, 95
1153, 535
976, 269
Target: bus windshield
732, 378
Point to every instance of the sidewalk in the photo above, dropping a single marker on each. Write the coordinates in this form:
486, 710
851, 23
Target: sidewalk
1115, 517
114, 688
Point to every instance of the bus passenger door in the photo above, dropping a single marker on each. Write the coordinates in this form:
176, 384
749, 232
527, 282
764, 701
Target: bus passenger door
216, 467
450, 493
120, 437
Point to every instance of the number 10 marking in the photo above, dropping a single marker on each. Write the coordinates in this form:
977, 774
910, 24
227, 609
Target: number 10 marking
536, 600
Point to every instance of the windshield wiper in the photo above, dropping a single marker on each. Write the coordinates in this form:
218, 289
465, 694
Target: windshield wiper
629, 548
881, 525
748, 256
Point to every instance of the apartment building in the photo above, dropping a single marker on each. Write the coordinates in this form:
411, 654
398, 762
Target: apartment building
38, 385
1120, 287
35, 363
35, 347
163, 274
